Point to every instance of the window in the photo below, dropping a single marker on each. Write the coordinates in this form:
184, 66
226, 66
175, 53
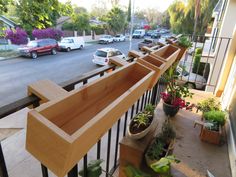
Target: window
111, 54
100, 53
32, 44
118, 53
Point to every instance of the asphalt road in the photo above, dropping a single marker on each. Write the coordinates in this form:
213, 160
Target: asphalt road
16, 74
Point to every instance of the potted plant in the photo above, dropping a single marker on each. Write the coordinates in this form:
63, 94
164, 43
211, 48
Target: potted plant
158, 155
212, 128
173, 98
183, 43
94, 169
213, 119
163, 166
209, 104
141, 124
131, 171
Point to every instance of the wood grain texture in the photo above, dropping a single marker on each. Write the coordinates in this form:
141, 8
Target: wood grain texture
167, 54
46, 90
118, 61
155, 64
61, 132
135, 54
154, 48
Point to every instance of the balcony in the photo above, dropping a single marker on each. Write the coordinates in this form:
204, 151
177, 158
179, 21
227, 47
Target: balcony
196, 156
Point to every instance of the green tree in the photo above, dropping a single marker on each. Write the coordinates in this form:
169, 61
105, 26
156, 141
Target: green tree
165, 19
66, 8
129, 12
176, 12
182, 16
81, 21
37, 14
3, 6
99, 9
116, 20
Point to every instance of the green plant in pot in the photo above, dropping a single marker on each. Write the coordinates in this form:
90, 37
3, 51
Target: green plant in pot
140, 125
158, 156
183, 43
209, 104
215, 119
173, 98
94, 169
163, 166
149, 109
131, 171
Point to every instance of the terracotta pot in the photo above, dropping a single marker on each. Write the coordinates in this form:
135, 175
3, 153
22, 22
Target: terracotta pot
170, 110
142, 133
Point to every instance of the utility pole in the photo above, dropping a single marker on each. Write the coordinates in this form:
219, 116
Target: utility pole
132, 25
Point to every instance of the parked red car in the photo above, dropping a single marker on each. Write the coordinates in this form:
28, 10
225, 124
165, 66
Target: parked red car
37, 47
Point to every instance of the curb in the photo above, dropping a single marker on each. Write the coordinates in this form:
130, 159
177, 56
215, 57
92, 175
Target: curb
8, 58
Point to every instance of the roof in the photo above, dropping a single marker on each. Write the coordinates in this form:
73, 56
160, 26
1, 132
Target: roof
8, 21
63, 19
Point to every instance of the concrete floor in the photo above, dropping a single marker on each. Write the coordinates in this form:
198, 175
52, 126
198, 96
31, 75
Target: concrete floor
196, 156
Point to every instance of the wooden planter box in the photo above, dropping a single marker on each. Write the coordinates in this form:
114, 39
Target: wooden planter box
211, 136
167, 54
155, 64
182, 51
61, 132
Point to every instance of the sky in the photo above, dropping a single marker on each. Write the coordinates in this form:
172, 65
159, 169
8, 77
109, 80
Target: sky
161, 5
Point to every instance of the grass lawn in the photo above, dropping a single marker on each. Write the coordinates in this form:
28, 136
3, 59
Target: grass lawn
8, 53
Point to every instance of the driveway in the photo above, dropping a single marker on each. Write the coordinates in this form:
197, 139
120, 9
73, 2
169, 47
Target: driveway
16, 74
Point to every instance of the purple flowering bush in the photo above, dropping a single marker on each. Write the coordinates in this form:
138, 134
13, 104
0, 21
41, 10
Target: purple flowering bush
17, 36
47, 33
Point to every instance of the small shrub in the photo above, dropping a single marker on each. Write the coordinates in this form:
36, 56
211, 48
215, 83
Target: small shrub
94, 168
198, 67
196, 63
155, 151
167, 132
98, 29
149, 108
17, 36
68, 26
198, 51
141, 119
47, 33
209, 104
184, 42
217, 117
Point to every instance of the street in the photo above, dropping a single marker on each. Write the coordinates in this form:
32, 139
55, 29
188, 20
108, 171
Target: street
17, 73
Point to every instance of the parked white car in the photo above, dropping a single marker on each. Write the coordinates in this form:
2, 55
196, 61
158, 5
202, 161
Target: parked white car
106, 39
191, 79
101, 56
71, 43
119, 37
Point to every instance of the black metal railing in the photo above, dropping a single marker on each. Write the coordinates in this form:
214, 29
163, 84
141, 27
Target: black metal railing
210, 65
107, 147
